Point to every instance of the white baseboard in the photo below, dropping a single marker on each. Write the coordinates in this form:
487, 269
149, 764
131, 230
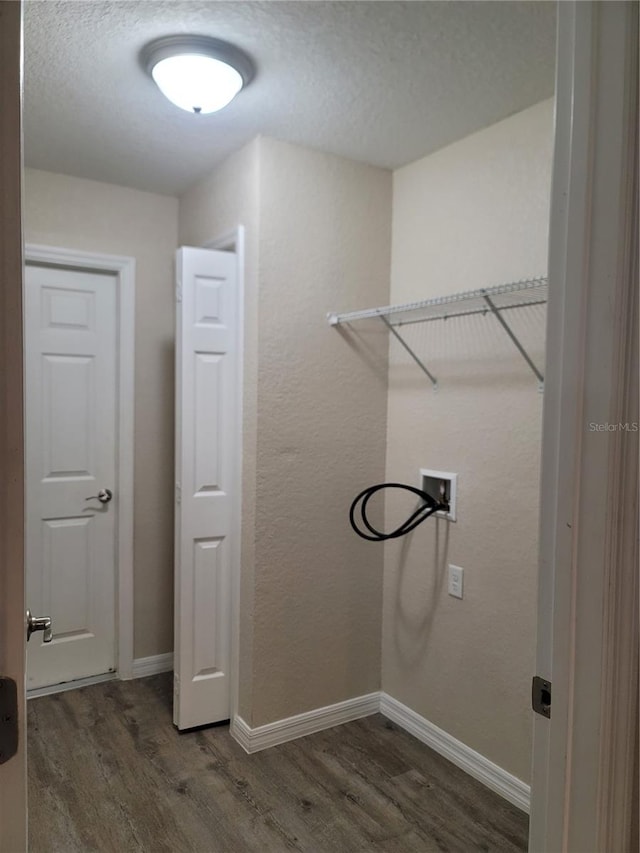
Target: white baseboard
272, 734
476, 765
152, 665
510, 787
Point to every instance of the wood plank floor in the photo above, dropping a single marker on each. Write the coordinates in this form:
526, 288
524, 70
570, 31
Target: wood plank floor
108, 772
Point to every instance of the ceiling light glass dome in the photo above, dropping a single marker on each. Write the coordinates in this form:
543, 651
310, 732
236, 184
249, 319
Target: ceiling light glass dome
197, 73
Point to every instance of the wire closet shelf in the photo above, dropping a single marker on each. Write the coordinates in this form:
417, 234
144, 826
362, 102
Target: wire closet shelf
497, 301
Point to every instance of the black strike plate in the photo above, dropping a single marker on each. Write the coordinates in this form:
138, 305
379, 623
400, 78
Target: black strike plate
541, 696
8, 719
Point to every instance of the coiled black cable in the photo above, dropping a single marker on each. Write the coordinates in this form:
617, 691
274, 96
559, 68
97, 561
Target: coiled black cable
423, 512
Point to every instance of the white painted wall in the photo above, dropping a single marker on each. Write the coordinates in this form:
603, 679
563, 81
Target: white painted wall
472, 215
325, 226
76, 213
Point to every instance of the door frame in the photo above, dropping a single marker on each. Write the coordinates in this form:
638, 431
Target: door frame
13, 772
123, 268
583, 756
234, 241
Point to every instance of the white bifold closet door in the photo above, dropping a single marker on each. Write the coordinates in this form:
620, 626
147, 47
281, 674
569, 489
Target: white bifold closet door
207, 439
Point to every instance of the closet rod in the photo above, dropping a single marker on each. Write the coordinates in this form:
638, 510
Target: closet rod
533, 286
469, 313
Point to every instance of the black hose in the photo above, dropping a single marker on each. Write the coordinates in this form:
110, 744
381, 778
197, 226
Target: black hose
423, 512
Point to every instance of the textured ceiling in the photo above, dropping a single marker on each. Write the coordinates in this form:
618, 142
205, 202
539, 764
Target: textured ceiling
381, 82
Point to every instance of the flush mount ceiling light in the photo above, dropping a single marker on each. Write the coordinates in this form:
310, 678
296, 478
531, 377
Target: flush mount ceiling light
197, 73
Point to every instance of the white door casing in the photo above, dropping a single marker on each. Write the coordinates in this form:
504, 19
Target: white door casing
582, 779
13, 770
70, 407
207, 481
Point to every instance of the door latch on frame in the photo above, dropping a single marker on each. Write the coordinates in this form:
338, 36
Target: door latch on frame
541, 696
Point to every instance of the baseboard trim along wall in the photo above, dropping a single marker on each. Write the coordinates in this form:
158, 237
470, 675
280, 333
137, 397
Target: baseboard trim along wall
262, 737
510, 787
272, 734
152, 665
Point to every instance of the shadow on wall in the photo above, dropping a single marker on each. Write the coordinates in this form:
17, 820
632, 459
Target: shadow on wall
458, 376
365, 342
470, 353
154, 505
414, 618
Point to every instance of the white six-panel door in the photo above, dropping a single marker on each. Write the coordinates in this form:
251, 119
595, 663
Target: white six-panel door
207, 437
70, 401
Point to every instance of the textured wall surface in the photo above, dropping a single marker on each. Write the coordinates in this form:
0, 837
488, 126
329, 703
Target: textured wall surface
228, 197
324, 245
74, 213
472, 215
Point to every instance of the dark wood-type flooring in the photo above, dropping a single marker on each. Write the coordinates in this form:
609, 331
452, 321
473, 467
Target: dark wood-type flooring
108, 772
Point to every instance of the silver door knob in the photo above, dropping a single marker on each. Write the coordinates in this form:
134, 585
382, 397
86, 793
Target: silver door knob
39, 623
104, 496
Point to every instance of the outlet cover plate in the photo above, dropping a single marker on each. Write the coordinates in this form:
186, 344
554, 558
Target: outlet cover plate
456, 581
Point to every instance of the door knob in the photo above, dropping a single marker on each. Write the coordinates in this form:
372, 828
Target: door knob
104, 496
39, 623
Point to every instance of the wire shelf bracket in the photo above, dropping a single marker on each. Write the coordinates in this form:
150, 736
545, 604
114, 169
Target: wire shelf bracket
489, 300
420, 363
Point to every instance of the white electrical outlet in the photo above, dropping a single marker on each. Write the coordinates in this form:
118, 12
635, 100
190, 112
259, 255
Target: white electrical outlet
456, 580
